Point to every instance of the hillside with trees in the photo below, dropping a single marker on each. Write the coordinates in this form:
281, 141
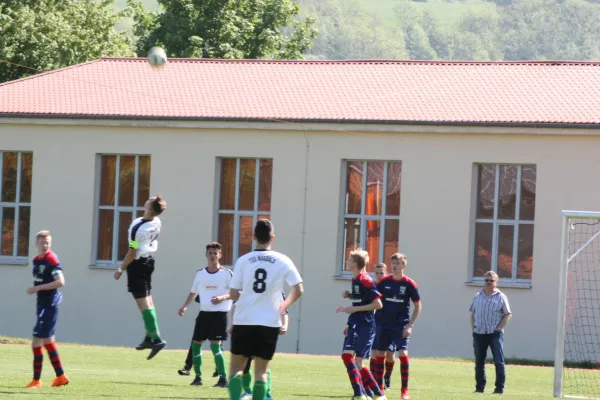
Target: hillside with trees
451, 30
50, 34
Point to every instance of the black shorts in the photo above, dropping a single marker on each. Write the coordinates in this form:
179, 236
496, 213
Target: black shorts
210, 325
139, 277
254, 341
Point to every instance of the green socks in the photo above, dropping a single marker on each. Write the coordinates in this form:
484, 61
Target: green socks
219, 358
260, 390
269, 383
247, 382
235, 387
197, 358
151, 323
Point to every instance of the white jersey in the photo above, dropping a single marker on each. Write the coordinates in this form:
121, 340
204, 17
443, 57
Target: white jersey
260, 275
142, 236
211, 284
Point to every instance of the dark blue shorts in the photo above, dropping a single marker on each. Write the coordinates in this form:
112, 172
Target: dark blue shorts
360, 340
391, 340
45, 326
376, 341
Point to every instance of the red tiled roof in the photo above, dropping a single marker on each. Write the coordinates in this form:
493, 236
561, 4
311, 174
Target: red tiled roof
435, 92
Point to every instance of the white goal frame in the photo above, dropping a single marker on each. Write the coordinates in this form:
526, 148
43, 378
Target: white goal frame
565, 258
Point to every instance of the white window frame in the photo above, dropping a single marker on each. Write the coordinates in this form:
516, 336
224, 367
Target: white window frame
236, 212
496, 223
341, 271
113, 263
12, 259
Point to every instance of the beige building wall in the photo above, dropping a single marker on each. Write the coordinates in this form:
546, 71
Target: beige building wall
435, 227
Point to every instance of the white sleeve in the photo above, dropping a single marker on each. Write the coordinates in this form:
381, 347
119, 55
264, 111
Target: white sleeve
292, 276
236, 279
196, 285
228, 276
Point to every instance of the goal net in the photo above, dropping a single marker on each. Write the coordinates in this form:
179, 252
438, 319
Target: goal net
577, 360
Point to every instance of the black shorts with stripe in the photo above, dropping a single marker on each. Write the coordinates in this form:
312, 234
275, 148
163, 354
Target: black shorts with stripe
210, 325
139, 277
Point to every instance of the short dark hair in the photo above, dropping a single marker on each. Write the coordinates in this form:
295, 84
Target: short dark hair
157, 205
214, 245
263, 230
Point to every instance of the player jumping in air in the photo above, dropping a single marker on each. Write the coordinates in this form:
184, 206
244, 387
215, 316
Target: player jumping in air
360, 331
381, 271
47, 278
258, 279
396, 322
139, 264
212, 284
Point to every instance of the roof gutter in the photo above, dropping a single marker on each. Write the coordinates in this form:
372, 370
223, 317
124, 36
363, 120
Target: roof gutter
300, 124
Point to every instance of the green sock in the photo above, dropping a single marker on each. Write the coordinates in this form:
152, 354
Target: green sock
197, 358
219, 359
247, 382
235, 387
260, 390
151, 323
269, 383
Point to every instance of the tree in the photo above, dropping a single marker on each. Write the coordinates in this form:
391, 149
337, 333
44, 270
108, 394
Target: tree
225, 29
49, 34
349, 29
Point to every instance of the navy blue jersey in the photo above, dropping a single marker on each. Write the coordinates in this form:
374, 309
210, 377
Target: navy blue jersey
396, 297
45, 268
363, 293
378, 312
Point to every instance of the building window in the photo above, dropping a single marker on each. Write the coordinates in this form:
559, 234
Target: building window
371, 210
245, 197
504, 221
124, 187
15, 204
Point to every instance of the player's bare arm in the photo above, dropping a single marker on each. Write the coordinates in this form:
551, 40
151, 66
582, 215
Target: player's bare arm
59, 281
129, 257
375, 305
416, 312
234, 294
284, 324
220, 299
472, 322
190, 297
295, 293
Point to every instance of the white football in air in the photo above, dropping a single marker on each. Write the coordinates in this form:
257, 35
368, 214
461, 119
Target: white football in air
157, 57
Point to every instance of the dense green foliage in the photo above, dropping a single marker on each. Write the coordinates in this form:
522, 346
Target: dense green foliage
233, 29
50, 34
456, 30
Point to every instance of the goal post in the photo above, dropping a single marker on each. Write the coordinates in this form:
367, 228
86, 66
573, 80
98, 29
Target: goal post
577, 351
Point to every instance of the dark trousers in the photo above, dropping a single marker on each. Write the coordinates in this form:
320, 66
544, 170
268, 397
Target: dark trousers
188, 360
480, 345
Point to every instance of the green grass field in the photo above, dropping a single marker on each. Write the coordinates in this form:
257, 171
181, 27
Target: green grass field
125, 374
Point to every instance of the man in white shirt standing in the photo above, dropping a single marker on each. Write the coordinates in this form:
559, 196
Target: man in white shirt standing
212, 284
139, 264
258, 279
490, 312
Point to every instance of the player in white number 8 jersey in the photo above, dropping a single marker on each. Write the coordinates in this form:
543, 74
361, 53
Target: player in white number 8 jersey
258, 279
